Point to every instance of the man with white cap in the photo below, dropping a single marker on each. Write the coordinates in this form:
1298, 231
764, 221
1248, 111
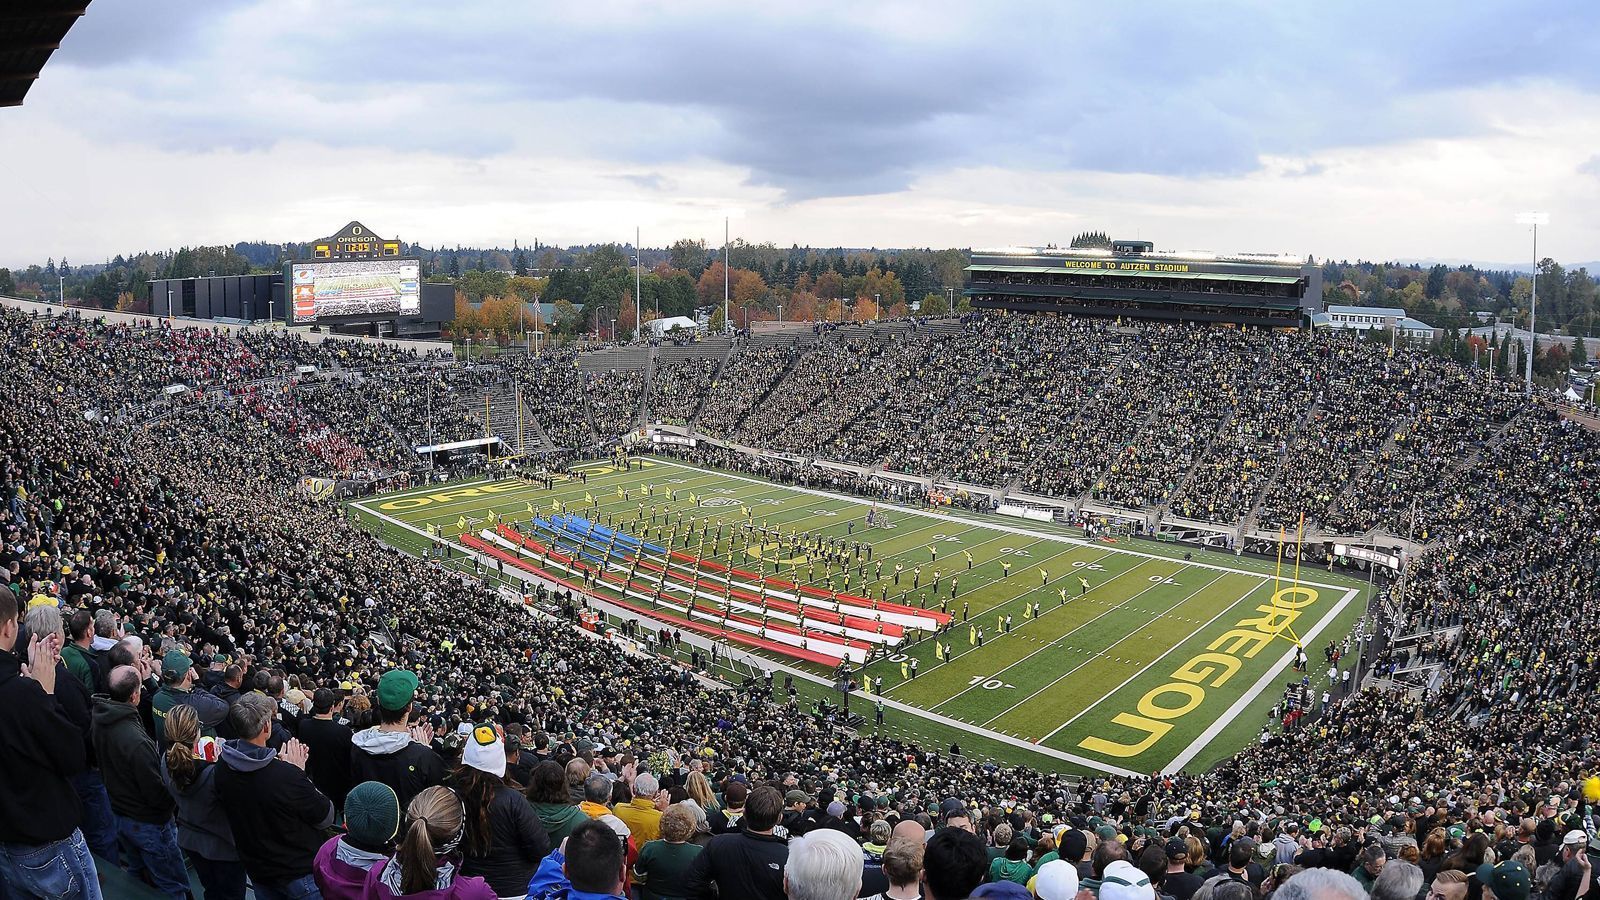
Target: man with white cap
1124, 881
1056, 880
1573, 880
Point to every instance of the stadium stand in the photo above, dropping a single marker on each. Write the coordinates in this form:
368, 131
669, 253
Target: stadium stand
198, 663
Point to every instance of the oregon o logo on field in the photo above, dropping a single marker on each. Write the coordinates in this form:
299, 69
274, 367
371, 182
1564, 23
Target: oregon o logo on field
720, 501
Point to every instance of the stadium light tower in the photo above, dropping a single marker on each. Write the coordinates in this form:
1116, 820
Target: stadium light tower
727, 323
1535, 219
638, 308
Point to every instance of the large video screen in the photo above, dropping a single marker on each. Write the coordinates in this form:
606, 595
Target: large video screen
352, 289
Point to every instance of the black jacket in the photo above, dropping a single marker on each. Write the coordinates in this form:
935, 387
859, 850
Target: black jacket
130, 763
41, 749
328, 756
518, 844
78, 705
393, 758
279, 818
742, 866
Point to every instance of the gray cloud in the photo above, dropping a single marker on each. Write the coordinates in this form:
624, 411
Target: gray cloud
817, 101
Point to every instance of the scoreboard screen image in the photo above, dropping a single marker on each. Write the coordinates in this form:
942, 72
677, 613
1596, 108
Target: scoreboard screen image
353, 289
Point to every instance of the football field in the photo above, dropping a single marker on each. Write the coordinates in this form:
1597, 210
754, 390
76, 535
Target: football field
1119, 655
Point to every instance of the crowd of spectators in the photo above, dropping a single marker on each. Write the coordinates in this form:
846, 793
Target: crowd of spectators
677, 387
205, 674
614, 398
746, 378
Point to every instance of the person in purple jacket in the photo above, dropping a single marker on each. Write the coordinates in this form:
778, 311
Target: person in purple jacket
372, 822
426, 864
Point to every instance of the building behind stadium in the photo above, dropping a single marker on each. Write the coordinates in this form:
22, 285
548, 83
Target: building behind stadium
1133, 279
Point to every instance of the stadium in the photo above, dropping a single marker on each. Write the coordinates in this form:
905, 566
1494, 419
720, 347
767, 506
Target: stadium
1119, 582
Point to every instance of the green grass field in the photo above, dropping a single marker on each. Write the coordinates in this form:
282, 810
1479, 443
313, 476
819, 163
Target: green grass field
1162, 663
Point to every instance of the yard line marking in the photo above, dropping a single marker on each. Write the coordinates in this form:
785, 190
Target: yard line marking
1132, 597
1125, 637
1176, 644
1012, 599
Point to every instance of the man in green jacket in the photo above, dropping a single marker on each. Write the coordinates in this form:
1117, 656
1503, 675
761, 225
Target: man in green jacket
177, 688
79, 655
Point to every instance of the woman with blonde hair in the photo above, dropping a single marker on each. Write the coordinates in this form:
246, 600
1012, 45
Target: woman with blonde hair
699, 788
427, 861
203, 831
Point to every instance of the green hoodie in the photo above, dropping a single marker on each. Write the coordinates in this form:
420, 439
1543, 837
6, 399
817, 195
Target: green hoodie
559, 820
1010, 870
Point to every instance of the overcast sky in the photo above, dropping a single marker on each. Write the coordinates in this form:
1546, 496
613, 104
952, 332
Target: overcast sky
1347, 129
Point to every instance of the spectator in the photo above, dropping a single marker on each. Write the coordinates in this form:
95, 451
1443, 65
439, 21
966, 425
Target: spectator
1122, 880
725, 819
1012, 865
328, 745
277, 815
505, 839
640, 813
823, 865
1507, 880
394, 751
1179, 883
1057, 880
661, 872
188, 771
1321, 884
1369, 866
82, 660
797, 817
595, 870
77, 703
547, 791
1449, 884
747, 863
902, 869
597, 790
1574, 878
954, 863
42, 850
879, 833
178, 687
1399, 880
426, 862
372, 824
132, 770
